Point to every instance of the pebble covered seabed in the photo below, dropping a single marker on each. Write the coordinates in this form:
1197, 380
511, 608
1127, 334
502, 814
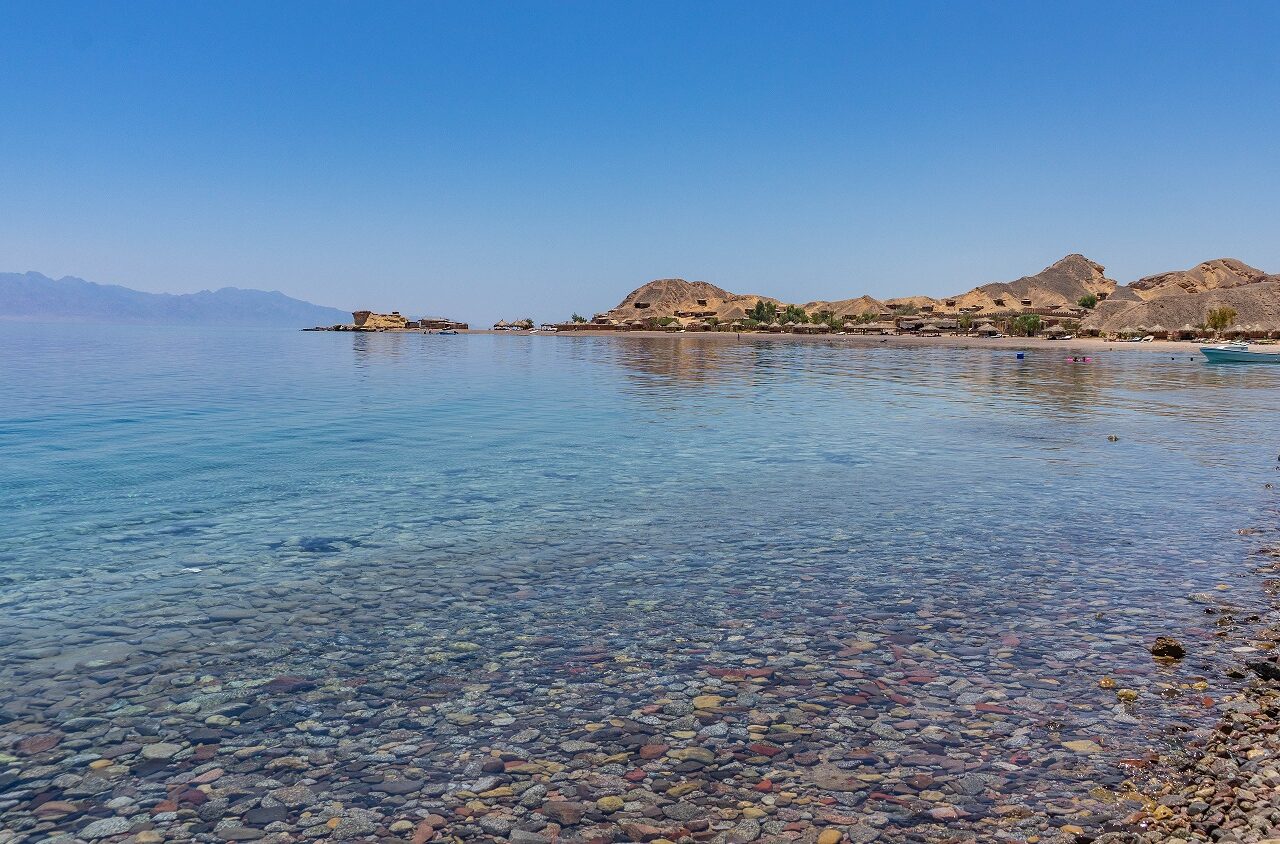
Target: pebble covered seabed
757, 649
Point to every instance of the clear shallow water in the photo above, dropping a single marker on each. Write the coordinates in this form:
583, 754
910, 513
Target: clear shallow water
922, 559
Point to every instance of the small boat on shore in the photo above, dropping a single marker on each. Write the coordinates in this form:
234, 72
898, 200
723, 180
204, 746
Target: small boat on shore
1236, 353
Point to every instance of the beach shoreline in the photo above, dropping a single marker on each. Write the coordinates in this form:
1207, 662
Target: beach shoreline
1036, 344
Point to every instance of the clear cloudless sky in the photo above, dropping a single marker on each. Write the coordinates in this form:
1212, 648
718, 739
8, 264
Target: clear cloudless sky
484, 160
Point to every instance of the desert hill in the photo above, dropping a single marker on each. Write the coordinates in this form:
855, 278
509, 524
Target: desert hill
1171, 299
1220, 274
1174, 300
675, 297
1061, 284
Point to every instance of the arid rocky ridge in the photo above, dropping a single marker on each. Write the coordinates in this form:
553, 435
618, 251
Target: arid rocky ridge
1171, 299
1183, 298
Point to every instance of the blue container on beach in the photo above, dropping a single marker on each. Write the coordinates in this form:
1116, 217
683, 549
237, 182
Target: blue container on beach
1021, 355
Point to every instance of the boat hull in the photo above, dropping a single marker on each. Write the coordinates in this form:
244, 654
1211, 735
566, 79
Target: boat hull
1237, 356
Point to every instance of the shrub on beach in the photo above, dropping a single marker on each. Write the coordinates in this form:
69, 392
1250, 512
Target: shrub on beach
1220, 318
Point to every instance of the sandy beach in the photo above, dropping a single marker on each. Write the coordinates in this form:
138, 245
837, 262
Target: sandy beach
1087, 345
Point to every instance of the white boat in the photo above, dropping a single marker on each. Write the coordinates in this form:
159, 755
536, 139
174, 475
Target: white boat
1236, 353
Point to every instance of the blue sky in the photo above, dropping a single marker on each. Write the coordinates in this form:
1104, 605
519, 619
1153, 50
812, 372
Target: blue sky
501, 160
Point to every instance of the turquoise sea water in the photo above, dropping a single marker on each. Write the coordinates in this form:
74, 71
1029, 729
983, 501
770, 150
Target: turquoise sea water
899, 534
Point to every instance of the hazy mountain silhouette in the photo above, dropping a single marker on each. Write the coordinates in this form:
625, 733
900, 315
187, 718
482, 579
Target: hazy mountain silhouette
36, 297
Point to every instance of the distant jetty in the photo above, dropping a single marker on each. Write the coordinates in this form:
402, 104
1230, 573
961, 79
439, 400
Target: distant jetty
394, 321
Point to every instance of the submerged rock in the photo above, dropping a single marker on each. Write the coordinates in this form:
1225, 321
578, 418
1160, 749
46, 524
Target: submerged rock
1166, 647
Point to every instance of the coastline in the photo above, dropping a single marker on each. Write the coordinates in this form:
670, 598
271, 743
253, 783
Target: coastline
1084, 344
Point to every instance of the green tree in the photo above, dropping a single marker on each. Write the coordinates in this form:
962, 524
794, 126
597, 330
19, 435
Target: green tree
666, 320
1025, 325
794, 313
1088, 300
1220, 318
965, 321
905, 310
578, 318
869, 316
764, 311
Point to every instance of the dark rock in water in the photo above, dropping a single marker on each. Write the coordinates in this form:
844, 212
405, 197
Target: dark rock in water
1168, 648
326, 544
404, 786
1266, 670
264, 815
39, 744
564, 812
149, 767
289, 684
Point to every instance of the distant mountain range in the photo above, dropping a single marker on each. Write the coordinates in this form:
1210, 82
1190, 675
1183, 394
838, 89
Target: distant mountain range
33, 297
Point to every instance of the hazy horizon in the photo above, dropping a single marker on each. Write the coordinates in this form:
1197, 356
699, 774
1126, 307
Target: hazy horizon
489, 162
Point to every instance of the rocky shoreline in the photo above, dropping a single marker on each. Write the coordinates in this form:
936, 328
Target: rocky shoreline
1224, 788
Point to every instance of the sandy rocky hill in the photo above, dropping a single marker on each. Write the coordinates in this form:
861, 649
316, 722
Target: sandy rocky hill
1183, 298
1170, 299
